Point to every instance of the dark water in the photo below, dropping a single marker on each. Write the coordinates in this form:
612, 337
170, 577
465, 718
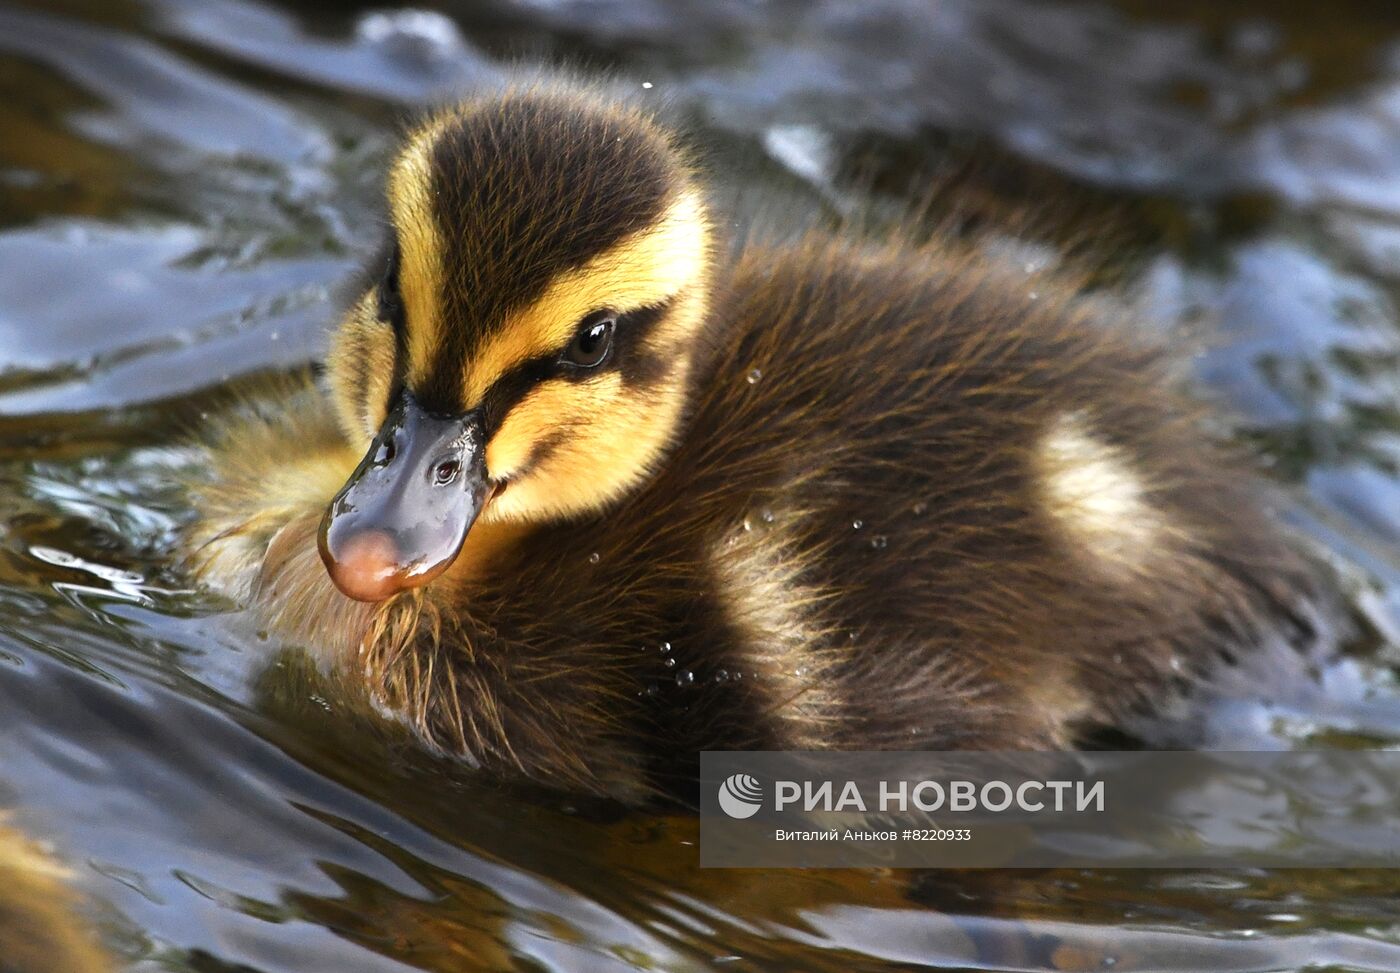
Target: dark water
182, 184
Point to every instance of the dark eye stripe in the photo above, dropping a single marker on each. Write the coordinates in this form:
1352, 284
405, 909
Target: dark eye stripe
629, 357
390, 299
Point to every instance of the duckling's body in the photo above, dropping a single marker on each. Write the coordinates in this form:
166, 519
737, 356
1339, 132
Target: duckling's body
827, 494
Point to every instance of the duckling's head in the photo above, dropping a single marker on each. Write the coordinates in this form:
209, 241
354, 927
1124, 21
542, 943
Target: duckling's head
524, 350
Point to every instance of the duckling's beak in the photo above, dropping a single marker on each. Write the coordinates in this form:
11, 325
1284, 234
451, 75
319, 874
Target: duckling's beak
401, 518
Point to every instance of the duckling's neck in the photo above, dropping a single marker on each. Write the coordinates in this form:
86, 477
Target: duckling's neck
487, 544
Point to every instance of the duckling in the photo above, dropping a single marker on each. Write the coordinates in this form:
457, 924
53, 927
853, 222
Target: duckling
588, 491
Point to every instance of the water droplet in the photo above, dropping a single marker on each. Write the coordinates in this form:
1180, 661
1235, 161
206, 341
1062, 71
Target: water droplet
754, 376
594, 558
646, 84
1035, 295
722, 675
737, 676
653, 689
665, 648
857, 524
879, 542
669, 663
748, 525
920, 509
685, 678
1118, 658
767, 516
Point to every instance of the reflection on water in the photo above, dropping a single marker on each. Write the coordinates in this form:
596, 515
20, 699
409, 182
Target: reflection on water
182, 186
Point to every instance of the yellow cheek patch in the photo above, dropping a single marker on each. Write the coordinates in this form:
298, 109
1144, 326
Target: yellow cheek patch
552, 409
422, 276
642, 270
609, 439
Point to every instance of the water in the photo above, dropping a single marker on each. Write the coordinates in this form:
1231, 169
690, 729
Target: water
183, 186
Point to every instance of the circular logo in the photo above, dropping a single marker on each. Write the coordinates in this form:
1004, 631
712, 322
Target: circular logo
740, 796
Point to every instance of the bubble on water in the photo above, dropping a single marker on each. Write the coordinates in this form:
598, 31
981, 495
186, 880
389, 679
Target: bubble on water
879, 542
754, 376
685, 678
594, 558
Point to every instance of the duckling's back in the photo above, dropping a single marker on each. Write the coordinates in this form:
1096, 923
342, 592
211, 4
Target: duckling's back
921, 500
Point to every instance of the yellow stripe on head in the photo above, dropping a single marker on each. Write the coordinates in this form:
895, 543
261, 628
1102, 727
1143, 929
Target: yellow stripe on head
422, 276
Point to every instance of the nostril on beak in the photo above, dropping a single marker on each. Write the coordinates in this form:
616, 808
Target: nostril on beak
365, 566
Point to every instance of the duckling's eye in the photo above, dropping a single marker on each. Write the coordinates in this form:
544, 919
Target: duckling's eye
593, 341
